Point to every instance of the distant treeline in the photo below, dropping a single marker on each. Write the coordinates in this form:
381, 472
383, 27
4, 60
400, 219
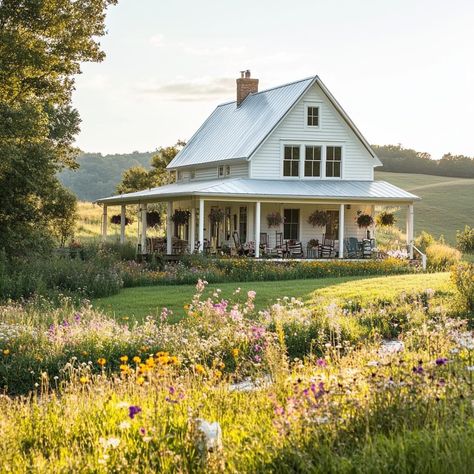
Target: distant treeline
397, 159
98, 175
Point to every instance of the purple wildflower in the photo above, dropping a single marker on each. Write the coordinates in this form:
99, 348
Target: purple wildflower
133, 410
142, 431
172, 390
418, 370
321, 362
441, 361
257, 358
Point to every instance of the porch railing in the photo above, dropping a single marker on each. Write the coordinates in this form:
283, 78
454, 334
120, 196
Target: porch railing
423, 257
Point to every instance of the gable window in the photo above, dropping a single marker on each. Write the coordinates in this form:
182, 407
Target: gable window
333, 161
179, 176
291, 161
227, 170
312, 116
312, 161
220, 171
291, 226
192, 174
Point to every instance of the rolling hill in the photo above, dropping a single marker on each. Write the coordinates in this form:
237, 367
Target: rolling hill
447, 203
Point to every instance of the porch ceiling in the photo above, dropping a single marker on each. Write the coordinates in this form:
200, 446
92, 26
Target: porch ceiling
266, 189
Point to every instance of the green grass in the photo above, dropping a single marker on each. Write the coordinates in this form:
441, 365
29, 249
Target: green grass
446, 204
137, 303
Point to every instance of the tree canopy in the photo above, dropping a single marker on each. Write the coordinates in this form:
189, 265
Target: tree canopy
42, 45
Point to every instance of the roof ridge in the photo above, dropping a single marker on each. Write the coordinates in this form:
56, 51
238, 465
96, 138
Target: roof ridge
271, 89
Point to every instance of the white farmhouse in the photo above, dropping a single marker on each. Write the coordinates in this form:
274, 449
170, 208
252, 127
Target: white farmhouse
281, 172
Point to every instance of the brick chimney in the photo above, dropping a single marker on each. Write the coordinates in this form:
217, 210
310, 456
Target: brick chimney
245, 86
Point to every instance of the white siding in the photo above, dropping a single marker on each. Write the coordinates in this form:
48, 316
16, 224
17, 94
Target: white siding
237, 170
357, 162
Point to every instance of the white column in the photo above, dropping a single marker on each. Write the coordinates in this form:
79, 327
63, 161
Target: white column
201, 225
143, 209
104, 222
122, 224
192, 228
410, 230
257, 229
341, 230
169, 231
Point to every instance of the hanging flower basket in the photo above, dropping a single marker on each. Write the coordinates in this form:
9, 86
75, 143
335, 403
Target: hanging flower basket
181, 217
364, 221
318, 219
274, 219
385, 219
153, 219
216, 215
117, 219
313, 243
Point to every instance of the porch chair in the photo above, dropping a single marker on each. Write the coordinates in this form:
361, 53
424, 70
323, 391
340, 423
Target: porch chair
351, 247
327, 248
263, 242
295, 250
366, 248
238, 245
197, 246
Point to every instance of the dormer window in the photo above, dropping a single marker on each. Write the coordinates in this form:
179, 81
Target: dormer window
179, 176
192, 174
312, 116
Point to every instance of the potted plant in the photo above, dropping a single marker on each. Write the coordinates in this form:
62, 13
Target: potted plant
364, 220
216, 215
318, 218
116, 219
313, 243
274, 219
385, 219
153, 219
180, 216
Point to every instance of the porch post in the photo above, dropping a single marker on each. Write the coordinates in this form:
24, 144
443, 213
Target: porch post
122, 224
201, 225
192, 229
410, 230
143, 236
169, 233
341, 230
104, 222
257, 229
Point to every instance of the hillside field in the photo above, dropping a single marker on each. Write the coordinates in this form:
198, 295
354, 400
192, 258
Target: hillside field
446, 205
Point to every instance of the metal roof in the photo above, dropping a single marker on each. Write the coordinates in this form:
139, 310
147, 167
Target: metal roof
245, 188
232, 133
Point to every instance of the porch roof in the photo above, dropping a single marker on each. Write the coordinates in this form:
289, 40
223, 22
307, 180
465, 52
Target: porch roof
267, 189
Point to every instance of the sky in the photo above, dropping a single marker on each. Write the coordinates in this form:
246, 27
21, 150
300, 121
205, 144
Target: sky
402, 69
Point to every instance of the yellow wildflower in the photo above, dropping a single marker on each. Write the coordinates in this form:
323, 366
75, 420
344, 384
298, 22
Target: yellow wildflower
137, 360
235, 352
140, 380
124, 359
199, 369
101, 361
83, 380
218, 373
6, 352
150, 362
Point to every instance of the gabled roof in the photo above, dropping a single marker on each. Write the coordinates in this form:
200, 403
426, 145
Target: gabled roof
245, 188
235, 133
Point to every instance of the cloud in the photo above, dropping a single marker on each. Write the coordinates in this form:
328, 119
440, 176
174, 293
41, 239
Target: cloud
157, 40
192, 90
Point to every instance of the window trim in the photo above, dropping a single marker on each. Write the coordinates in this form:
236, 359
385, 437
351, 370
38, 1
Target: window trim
326, 145
226, 171
299, 221
321, 163
282, 160
307, 105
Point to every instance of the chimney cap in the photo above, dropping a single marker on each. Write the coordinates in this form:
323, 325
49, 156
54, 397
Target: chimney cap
245, 74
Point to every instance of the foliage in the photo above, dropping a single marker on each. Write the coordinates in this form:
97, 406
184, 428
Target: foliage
138, 178
42, 45
153, 218
465, 239
441, 256
274, 219
462, 275
385, 219
397, 159
216, 270
117, 220
216, 216
107, 397
318, 218
364, 220
313, 243
181, 216
424, 240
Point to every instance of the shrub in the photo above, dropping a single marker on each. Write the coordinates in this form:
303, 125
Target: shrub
424, 240
465, 239
441, 256
462, 275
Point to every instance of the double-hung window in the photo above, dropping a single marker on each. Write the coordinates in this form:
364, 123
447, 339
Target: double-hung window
291, 161
312, 161
312, 116
333, 161
291, 226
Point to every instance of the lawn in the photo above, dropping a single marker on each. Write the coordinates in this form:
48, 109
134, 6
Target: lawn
137, 303
446, 204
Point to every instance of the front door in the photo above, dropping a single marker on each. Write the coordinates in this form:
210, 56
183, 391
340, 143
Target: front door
332, 227
291, 226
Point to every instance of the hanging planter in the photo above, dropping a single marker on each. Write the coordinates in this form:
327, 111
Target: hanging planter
216, 215
274, 219
318, 219
181, 217
364, 221
117, 219
153, 219
385, 219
